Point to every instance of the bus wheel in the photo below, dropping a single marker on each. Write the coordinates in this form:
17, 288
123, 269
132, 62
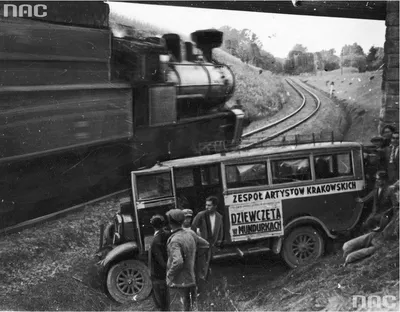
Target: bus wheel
302, 246
128, 281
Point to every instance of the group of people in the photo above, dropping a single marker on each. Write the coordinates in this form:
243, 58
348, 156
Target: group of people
383, 221
180, 253
386, 152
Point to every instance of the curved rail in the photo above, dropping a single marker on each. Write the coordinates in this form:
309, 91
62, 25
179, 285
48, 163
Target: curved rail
269, 138
250, 133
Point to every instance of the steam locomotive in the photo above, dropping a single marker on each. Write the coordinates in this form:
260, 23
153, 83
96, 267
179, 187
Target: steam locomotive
177, 82
81, 108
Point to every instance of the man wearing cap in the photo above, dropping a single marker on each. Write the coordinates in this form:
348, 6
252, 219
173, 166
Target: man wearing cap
180, 277
158, 263
392, 158
202, 253
382, 200
188, 218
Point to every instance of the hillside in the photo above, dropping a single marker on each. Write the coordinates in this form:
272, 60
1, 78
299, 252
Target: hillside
262, 284
261, 95
359, 94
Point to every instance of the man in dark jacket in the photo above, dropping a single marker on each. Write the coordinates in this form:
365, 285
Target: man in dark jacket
181, 278
387, 132
382, 200
158, 263
209, 224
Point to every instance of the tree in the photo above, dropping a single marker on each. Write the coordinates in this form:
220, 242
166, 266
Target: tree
299, 47
353, 56
329, 60
299, 60
374, 58
353, 49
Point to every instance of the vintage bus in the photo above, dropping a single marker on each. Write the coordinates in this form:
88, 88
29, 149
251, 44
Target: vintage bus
287, 199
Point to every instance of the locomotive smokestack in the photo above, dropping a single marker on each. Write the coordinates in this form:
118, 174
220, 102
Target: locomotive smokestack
206, 40
173, 43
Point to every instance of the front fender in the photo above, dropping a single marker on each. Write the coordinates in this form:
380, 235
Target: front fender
308, 220
117, 252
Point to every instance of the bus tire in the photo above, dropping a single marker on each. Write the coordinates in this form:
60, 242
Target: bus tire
302, 246
128, 281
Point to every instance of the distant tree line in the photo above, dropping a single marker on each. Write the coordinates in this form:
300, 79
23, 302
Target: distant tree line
300, 61
245, 45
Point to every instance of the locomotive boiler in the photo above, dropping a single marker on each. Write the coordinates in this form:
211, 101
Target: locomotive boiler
80, 108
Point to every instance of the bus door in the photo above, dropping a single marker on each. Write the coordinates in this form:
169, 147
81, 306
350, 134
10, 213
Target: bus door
211, 185
194, 184
153, 193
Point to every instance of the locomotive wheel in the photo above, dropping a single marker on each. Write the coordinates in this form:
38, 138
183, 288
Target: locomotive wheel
128, 281
302, 246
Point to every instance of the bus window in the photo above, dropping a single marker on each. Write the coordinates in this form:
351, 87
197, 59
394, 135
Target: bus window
154, 186
344, 165
246, 175
209, 175
183, 177
290, 170
324, 167
332, 166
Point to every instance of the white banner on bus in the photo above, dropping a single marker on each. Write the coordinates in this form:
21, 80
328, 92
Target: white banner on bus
256, 220
294, 192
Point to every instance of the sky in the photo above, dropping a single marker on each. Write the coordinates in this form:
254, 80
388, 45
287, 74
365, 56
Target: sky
277, 32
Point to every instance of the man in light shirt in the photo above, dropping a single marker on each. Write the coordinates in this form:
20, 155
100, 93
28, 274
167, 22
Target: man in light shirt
209, 224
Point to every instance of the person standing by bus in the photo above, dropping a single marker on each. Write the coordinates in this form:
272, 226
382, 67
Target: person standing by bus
209, 224
202, 262
187, 223
387, 132
382, 200
180, 275
392, 158
158, 263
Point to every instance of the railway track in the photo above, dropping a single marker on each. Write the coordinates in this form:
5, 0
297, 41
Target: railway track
289, 122
258, 136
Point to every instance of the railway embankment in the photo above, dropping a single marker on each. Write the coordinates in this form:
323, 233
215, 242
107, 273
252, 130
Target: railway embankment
261, 94
358, 95
329, 118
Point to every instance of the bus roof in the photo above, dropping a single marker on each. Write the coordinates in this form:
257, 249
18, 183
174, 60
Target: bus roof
270, 150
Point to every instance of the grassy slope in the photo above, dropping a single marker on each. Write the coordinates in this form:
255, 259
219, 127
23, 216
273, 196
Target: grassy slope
261, 94
359, 93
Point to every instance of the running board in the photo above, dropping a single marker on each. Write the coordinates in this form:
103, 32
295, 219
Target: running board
241, 253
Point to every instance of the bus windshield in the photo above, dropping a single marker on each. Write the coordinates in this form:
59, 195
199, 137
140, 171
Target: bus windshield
153, 186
